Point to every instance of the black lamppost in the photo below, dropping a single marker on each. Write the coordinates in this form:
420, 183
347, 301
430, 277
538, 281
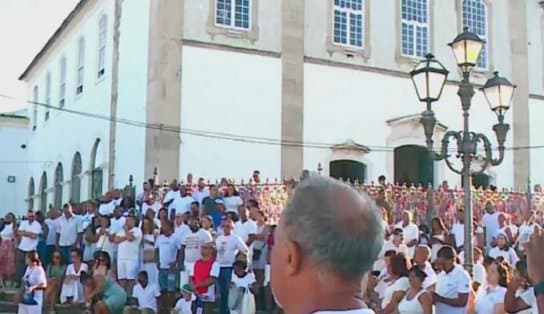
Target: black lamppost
429, 78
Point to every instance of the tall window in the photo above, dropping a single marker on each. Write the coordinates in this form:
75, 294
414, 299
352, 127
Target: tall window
75, 194
348, 22
415, 28
62, 86
59, 177
35, 107
475, 18
102, 35
31, 193
233, 13
80, 65
47, 94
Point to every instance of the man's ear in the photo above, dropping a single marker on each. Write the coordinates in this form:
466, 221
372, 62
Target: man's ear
294, 258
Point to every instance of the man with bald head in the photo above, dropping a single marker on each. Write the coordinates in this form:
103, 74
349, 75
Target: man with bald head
328, 238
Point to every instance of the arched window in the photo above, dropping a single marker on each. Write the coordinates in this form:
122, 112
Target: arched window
75, 194
31, 192
43, 192
96, 172
58, 185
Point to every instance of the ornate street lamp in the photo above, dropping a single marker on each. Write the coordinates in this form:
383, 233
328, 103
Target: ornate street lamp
429, 77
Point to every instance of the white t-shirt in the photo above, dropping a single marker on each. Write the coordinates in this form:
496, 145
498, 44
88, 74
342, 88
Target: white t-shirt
214, 272
450, 285
244, 229
103, 243
200, 195
155, 206
388, 246
106, 209
117, 224
68, 230
525, 231
244, 282
182, 204
193, 242
53, 226
400, 284
458, 230
129, 250
171, 195
487, 298
8, 233
227, 247
181, 232
27, 244
233, 202
479, 273
184, 307
528, 297
168, 250
36, 276
491, 224
510, 255
410, 232
431, 276
147, 297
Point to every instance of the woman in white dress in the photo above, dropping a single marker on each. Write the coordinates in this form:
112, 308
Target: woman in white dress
232, 198
490, 296
34, 282
148, 250
417, 300
439, 236
399, 267
72, 289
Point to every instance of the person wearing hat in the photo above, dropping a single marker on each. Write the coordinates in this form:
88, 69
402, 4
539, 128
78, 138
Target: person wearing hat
184, 304
203, 277
218, 212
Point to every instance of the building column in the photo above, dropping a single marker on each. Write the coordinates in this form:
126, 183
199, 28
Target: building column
114, 94
520, 108
164, 87
292, 98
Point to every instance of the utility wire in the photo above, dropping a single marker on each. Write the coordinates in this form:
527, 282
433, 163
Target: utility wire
228, 136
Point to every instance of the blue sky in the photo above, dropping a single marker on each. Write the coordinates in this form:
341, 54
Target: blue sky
25, 26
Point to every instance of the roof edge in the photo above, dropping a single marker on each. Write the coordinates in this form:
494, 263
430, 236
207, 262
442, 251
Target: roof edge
53, 38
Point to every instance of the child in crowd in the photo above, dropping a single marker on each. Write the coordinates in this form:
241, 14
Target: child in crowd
185, 303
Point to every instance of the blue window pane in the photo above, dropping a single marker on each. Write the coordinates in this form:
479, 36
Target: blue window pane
241, 16
223, 12
414, 27
475, 18
348, 22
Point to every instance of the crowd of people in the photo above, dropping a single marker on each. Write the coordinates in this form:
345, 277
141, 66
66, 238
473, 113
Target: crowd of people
205, 249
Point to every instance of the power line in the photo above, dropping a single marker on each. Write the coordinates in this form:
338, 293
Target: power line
228, 136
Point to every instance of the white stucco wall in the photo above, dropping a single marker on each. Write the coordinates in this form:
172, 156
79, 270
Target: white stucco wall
234, 93
535, 38
536, 113
130, 141
356, 105
13, 134
59, 138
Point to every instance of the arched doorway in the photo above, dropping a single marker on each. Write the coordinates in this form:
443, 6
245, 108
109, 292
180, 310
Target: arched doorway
96, 173
58, 185
77, 168
413, 165
31, 191
43, 192
348, 170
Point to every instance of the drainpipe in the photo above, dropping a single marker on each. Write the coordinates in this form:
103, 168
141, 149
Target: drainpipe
114, 92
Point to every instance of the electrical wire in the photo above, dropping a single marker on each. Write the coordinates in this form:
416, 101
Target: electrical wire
230, 136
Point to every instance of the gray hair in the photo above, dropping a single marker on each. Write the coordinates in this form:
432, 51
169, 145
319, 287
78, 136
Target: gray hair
346, 240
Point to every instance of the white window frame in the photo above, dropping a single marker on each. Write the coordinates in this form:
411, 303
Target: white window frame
35, 95
348, 14
47, 94
233, 16
80, 69
102, 43
62, 82
416, 24
485, 48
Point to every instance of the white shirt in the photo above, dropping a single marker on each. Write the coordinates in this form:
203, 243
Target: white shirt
491, 224
400, 284
103, 243
27, 244
7, 233
458, 230
171, 195
487, 298
233, 202
411, 306
168, 250
129, 250
358, 311
525, 231
53, 226
528, 297
184, 307
479, 273
36, 276
182, 204
450, 285
200, 195
227, 247
510, 255
86, 220
181, 232
244, 229
117, 224
155, 206
214, 272
244, 282
106, 209
68, 230
411, 232
388, 246
193, 242
147, 297
431, 276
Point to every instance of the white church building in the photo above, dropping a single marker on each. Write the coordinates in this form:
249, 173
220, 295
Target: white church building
218, 88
